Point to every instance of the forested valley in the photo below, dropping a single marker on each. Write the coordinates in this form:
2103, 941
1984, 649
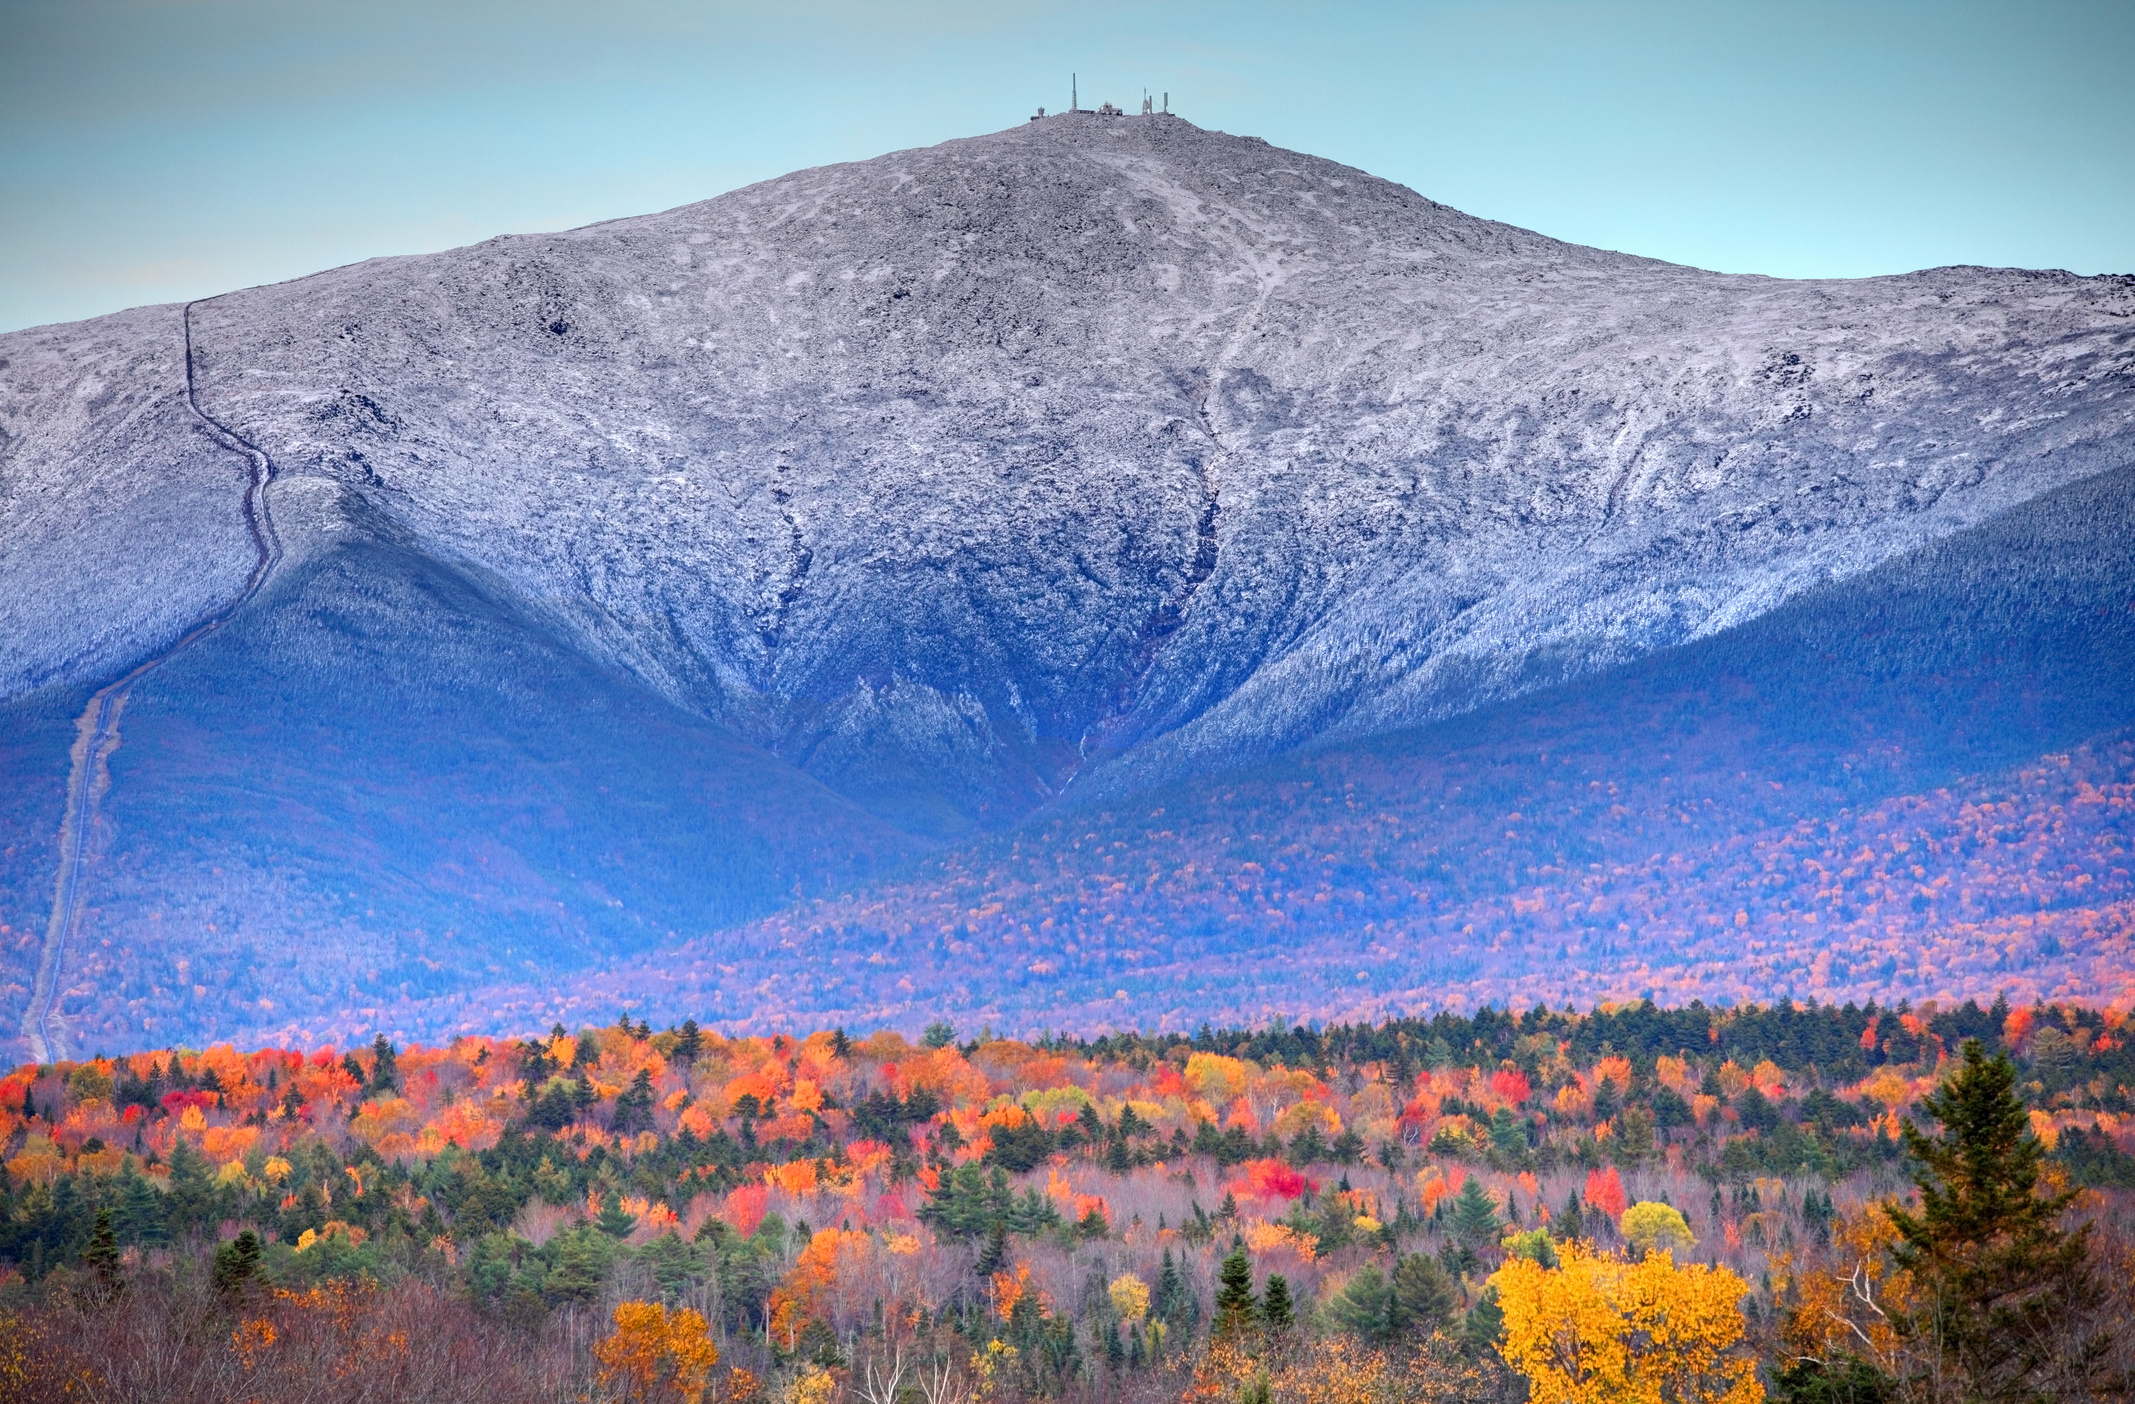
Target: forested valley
1693, 1204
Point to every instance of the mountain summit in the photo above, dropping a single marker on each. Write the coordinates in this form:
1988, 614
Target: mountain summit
642, 579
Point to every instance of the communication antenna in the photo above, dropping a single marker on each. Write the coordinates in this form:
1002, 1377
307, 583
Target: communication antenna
1167, 102
1074, 96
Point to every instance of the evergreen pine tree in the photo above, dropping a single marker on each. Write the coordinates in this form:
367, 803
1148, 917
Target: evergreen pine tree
613, 1221
237, 1264
1571, 1224
190, 1203
691, 1042
1485, 1324
140, 1209
2002, 1285
576, 1274
1166, 1300
1475, 1219
101, 1258
633, 1109
1424, 1297
1365, 1306
385, 1068
1275, 1307
1236, 1309
994, 1258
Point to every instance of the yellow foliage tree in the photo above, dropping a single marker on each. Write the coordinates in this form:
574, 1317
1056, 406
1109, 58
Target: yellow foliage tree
1648, 1225
814, 1385
1599, 1330
657, 1354
1130, 1297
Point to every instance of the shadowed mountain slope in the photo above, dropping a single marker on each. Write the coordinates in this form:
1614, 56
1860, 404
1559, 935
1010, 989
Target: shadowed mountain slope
386, 782
1841, 799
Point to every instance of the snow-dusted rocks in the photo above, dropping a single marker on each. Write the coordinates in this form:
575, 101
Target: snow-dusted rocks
1090, 449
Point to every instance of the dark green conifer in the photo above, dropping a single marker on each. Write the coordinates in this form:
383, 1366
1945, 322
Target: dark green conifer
190, 1201
2003, 1287
613, 1221
1276, 1308
1485, 1324
1167, 1300
1236, 1308
1475, 1220
142, 1213
1364, 1307
994, 1257
576, 1274
633, 1109
237, 1264
101, 1258
1424, 1296
385, 1068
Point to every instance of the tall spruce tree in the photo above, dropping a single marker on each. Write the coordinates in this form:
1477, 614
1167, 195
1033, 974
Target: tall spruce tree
1365, 1306
2003, 1287
633, 1108
102, 1260
1475, 1219
190, 1203
1276, 1308
1425, 1298
1236, 1309
1168, 1302
237, 1264
994, 1258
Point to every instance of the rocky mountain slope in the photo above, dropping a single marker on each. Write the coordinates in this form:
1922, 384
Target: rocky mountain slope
1095, 454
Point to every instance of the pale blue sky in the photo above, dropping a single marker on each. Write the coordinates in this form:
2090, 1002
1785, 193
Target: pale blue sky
158, 149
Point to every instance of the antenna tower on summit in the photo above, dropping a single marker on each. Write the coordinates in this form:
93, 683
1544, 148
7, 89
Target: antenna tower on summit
1074, 96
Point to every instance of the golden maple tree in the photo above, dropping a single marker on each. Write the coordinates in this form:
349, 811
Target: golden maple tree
1600, 1330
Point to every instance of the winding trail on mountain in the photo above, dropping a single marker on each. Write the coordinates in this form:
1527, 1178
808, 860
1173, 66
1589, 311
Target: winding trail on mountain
96, 732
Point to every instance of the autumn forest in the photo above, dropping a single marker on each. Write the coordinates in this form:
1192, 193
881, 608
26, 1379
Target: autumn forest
1688, 1204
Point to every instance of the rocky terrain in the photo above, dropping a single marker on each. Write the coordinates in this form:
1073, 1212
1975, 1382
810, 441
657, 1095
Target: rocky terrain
932, 492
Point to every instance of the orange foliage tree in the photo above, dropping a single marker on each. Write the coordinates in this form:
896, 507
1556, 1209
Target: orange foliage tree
656, 1353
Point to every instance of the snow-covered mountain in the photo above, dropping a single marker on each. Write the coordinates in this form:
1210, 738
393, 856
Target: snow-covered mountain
1091, 454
